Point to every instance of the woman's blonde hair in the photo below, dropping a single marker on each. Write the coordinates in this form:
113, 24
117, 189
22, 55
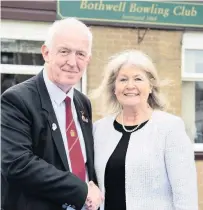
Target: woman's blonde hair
106, 90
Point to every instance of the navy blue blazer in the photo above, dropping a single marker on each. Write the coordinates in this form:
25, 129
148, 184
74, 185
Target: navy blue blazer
35, 169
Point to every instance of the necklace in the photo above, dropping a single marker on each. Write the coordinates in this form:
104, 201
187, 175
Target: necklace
129, 131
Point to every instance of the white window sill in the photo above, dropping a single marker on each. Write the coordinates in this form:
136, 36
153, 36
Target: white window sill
20, 69
192, 77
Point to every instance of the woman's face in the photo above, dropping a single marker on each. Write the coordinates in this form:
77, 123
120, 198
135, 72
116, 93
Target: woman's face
132, 87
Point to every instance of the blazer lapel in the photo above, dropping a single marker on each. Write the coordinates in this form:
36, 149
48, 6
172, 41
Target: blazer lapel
53, 123
57, 137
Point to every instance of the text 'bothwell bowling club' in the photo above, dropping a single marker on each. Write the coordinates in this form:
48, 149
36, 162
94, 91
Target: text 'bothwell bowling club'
131, 7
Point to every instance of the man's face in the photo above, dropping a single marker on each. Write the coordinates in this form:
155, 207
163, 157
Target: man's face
67, 57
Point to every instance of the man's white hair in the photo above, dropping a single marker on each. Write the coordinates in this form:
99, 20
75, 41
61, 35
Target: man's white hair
59, 25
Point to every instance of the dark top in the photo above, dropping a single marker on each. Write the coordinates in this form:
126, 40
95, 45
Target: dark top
115, 171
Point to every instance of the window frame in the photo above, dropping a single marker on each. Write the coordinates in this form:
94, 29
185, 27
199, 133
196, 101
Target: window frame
192, 41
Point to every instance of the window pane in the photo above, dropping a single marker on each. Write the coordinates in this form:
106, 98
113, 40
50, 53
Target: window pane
21, 52
199, 111
193, 61
22, 59
192, 109
23, 46
8, 80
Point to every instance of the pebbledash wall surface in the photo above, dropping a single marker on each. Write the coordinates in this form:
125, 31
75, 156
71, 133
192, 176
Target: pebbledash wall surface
170, 32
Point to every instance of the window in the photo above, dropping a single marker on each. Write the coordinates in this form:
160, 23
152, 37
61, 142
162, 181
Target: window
192, 87
8, 80
20, 52
20, 60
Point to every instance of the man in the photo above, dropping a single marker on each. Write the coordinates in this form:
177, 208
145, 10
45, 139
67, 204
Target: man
47, 143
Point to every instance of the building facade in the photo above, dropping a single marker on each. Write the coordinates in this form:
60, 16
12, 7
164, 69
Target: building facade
171, 34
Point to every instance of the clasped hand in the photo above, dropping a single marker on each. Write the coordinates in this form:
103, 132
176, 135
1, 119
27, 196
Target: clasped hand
94, 197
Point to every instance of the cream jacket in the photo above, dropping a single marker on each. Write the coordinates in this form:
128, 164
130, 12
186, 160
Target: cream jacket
160, 168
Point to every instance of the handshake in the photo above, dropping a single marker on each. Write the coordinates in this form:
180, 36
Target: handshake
94, 197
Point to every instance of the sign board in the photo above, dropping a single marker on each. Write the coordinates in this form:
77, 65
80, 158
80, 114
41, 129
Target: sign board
145, 13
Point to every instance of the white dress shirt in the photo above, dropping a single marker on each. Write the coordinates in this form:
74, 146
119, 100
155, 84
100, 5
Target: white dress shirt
57, 97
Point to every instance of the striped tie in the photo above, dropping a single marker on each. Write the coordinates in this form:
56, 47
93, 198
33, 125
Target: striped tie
75, 152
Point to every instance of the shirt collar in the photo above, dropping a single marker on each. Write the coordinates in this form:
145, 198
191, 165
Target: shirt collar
55, 93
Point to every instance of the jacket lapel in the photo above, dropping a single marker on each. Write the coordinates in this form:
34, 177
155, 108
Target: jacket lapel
53, 123
57, 137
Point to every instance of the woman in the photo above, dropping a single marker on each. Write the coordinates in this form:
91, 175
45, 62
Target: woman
144, 159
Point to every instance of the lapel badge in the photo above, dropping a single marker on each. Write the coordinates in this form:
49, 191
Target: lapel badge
54, 126
84, 119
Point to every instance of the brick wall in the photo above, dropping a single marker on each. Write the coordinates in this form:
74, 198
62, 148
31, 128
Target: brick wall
164, 47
